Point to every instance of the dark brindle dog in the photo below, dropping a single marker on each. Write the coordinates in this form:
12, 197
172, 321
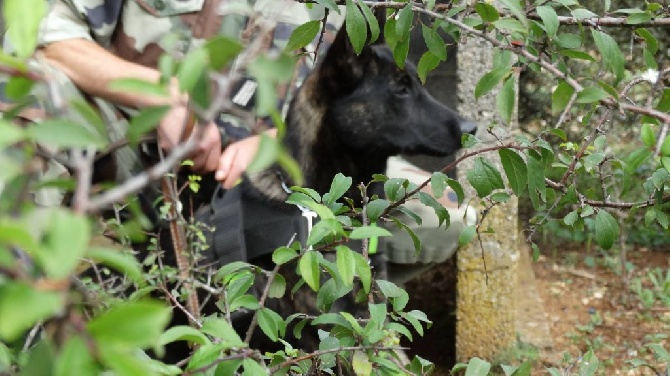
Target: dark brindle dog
351, 113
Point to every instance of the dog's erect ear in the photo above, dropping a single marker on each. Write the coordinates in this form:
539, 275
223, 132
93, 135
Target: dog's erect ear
341, 69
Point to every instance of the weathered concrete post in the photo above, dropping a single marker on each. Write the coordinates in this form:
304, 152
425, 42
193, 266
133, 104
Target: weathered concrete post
486, 272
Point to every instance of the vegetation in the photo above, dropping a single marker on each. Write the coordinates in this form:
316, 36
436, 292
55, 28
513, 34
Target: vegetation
574, 171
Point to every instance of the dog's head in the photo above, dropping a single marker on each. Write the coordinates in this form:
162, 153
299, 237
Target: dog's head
375, 105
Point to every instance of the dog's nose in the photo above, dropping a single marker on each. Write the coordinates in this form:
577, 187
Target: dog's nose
468, 126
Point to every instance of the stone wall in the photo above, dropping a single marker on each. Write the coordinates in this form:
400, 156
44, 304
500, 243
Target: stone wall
486, 269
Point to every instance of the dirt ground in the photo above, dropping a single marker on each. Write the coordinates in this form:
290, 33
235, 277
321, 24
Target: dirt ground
587, 305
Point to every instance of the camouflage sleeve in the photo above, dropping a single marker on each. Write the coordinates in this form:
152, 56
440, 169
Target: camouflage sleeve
88, 19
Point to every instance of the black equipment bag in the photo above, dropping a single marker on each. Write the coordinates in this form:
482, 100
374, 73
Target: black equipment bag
244, 228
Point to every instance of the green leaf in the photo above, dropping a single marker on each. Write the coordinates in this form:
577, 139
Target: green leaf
639, 18
508, 24
278, 287
23, 20
320, 230
441, 212
610, 52
477, 367
330, 4
665, 161
607, 229
229, 269
589, 364
487, 12
361, 363
346, 264
61, 133
536, 173
515, 169
427, 63
192, 68
268, 150
282, 255
303, 35
591, 94
363, 271
569, 40
22, 307
221, 50
573, 54
490, 80
434, 42
182, 333
649, 39
373, 24
206, 355
353, 323
356, 27
65, 243
307, 202
310, 270
338, 188
404, 23
365, 232
332, 319
592, 160
145, 121
467, 235
271, 324
137, 86
415, 239
484, 177
220, 328
516, 9
506, 99
131, 324
121, 262
17, 87
10, 133
400, 52
75, 359
549, 19
582, 13
571, 218
458, 189
438, 183
390, 289
665, 147
649, 59
375, 208
246, 301
5, 358
253, 368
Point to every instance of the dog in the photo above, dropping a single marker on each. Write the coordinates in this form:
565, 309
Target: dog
352, 112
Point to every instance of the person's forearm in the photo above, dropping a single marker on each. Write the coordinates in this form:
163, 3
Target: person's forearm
92, 69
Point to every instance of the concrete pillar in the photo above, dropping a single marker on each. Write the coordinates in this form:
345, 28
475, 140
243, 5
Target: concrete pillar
487, 271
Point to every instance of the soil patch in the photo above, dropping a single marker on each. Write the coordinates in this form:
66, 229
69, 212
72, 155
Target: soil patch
587, 304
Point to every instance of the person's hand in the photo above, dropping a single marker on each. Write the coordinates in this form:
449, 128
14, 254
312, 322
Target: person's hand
235, 160
171, 131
